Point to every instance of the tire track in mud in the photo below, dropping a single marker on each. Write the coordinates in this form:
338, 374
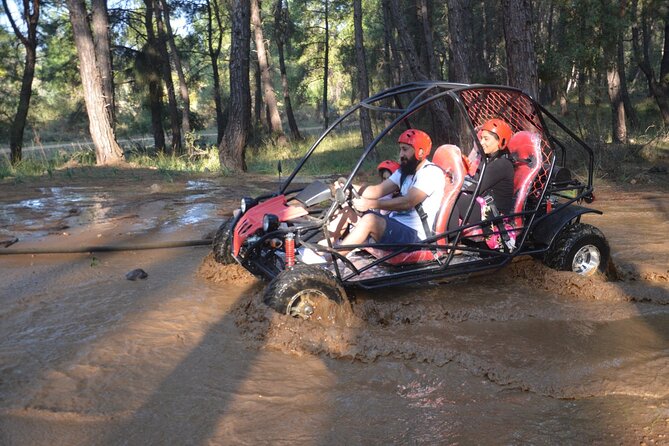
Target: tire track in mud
549, 332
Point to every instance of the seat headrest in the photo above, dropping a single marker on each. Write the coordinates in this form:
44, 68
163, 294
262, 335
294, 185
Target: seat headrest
525, 148
448, 157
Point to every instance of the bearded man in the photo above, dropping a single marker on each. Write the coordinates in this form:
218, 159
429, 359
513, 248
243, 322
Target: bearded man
411, 213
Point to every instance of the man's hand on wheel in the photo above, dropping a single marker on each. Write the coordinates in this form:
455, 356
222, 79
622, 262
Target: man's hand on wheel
361, 204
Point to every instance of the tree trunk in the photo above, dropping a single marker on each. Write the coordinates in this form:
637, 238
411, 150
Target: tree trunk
658, 87
547, 85
175, 124
459, 29
258, 116
214, 53
440, 116
156, 107
269, 95
101, 41
280, 28
392, 55
619, 128
232, 148
363, 81
150, 61
31, 16
408, 48
564, 104
387, 54
492, 37
326, 66
610, 43
622, 75
107, 150
19, 123
521, 62
176, 60
630, 113
425, 14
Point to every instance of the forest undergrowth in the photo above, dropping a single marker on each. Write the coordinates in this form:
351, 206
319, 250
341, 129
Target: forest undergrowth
647, 152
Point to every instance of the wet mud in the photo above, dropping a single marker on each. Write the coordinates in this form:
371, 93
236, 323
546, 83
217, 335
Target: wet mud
217, 273
523, 333
191, 355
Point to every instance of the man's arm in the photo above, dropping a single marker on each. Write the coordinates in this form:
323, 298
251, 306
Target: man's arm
401, 203
379, 190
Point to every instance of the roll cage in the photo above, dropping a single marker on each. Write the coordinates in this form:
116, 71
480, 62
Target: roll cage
549, 194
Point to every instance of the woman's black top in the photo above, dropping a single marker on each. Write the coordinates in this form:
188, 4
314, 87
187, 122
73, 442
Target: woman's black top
497, 183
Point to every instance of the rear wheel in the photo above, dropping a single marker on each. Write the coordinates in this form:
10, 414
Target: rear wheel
222, 244
304, 291
580, 248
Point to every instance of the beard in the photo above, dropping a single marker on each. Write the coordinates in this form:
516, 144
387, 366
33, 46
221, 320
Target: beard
408, 166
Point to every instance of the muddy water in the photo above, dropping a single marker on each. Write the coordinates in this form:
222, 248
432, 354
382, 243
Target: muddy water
120, 208
190, 355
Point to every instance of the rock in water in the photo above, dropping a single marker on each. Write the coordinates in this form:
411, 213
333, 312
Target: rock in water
135, 274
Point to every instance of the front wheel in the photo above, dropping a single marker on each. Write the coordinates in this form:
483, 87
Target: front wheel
222, 244
580, 248
304, 291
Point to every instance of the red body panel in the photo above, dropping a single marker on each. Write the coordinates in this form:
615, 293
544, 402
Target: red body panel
251, 221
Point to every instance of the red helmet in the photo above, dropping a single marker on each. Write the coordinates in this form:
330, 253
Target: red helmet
417, 139
390, 165
499, 128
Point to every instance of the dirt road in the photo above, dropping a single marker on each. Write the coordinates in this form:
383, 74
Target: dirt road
189, 355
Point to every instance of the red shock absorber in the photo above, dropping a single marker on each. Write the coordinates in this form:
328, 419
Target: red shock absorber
289, 247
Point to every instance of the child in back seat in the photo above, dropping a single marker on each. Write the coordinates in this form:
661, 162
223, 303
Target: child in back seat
386, 169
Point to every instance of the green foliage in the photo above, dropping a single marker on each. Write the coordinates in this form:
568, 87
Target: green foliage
10, 80
31, 166
309, 45
57, 110
84, 156
205, 161
336, 155
582, 36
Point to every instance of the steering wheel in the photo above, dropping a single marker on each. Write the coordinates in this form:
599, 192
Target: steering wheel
344, 213
345, 196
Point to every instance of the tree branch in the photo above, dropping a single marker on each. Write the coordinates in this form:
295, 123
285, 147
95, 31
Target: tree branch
16, 29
